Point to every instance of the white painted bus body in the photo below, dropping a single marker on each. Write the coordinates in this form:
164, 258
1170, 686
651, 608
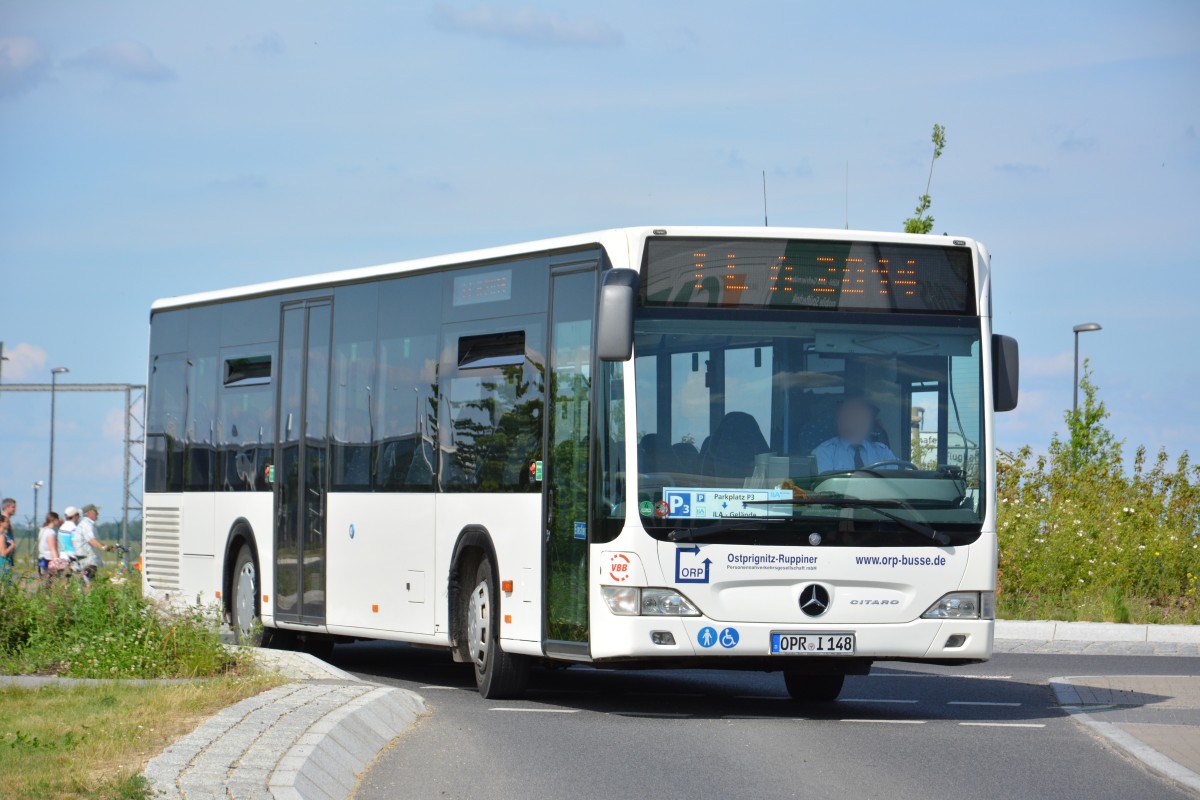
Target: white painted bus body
388, 554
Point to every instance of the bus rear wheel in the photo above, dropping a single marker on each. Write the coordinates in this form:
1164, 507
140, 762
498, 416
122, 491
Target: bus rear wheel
498, 674
805, 688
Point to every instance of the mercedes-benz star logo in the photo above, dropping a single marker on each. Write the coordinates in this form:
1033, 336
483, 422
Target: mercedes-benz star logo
814, 599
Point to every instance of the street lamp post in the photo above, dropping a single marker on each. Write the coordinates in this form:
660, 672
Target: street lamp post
1086, 327
36, 486
54, 373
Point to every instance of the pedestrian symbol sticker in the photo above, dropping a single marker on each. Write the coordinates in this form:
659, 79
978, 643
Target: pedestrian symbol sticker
729, 638
707, 637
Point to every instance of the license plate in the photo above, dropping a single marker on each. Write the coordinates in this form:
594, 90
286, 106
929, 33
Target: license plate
784, 643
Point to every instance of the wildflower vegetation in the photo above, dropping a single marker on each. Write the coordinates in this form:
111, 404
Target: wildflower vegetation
1087, 535
106, 631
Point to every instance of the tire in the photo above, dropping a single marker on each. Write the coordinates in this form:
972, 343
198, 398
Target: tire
244, 614
805, 688
498, 675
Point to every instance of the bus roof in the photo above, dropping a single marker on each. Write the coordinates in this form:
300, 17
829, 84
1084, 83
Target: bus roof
629, 240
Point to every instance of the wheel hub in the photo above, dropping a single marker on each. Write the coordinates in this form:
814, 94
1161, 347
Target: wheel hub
478, 621
244, 598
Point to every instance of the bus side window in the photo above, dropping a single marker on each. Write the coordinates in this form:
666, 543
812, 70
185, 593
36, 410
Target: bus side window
404, 399
352, 382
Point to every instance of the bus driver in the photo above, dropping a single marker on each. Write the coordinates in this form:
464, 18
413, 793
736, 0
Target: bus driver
852, 449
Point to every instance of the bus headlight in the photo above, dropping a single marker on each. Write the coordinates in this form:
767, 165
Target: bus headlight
666, 603
630, 601
963, 605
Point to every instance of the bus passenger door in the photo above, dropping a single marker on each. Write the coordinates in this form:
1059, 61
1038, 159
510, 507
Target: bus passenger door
567, 477
301, 458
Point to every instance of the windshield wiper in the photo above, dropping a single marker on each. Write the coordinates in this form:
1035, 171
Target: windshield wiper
878, 506
741, 523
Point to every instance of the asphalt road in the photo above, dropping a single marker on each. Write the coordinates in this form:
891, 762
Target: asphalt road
905, 731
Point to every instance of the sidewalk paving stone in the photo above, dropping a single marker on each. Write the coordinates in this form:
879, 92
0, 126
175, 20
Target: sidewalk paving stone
1153, 718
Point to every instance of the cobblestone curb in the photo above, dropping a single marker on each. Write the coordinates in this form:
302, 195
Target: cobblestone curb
307, 739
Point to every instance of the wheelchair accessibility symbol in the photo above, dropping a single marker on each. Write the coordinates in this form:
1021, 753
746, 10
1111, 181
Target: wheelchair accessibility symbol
728, 638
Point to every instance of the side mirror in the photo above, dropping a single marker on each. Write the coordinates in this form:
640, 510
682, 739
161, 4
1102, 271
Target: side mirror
1006, 378
614, 318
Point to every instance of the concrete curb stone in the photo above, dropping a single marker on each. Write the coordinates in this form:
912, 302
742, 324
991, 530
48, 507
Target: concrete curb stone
306, 739
1054, 631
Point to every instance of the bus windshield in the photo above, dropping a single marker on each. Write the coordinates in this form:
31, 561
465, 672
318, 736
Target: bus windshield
826, 429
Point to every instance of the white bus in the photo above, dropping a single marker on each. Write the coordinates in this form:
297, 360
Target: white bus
638, 448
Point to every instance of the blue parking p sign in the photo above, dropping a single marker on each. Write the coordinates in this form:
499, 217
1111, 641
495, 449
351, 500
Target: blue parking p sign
684, 504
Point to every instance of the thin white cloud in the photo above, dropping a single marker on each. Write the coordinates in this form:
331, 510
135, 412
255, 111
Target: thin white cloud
527, 27
24, 361
128, 60
114, 425
269, 44
242, 182
1055, 366
1078, 144
24, 63
1048, 366
1020, 168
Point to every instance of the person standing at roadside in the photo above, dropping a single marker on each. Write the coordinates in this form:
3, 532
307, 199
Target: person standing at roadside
87, 545
8, 550
66, 534
8, 507
48, 543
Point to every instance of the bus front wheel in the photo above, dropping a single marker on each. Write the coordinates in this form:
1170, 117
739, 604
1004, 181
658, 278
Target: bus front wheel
805, 688
243, 611
497, 674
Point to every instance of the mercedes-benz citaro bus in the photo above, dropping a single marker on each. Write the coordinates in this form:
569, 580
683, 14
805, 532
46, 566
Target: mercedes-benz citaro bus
749, 448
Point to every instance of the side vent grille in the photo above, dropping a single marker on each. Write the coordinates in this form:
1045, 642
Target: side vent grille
160, 547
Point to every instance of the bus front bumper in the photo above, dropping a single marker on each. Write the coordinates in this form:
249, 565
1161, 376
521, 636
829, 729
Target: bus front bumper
685, 638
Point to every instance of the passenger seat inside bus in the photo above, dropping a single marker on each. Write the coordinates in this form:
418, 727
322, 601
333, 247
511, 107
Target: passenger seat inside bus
733, 446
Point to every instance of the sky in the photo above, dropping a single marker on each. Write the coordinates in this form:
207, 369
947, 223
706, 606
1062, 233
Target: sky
156, 149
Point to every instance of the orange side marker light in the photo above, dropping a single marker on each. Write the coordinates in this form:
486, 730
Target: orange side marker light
375, 608
508, 618
507, 586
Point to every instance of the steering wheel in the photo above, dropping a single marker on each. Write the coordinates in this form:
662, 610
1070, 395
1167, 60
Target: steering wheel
893, 462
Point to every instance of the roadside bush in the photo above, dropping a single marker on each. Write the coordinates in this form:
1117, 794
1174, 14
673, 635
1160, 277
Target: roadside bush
1083, 535
106, 631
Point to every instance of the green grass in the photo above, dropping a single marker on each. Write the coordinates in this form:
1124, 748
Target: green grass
94, 741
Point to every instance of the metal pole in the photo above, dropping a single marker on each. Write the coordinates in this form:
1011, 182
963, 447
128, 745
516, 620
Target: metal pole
36, 527
1075, 399
125, 483
50, 490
